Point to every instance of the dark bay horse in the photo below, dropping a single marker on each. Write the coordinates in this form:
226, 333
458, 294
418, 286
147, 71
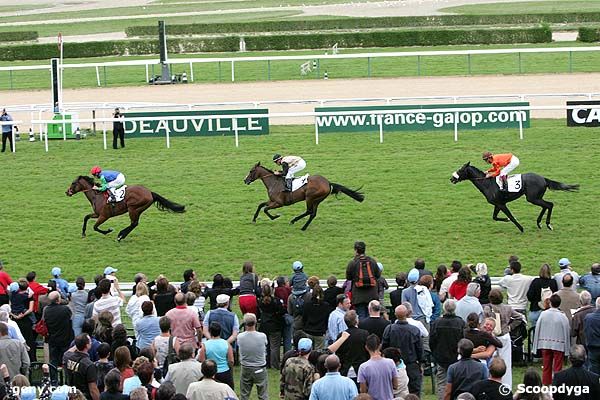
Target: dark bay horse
534, 187
314, 192
137, 200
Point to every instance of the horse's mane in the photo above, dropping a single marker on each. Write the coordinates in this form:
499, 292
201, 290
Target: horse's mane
265, 168
86, 178
475, 169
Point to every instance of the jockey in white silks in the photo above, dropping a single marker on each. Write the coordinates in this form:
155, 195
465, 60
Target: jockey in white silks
289, 166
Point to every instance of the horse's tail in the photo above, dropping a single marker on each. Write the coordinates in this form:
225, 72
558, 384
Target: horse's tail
553, 185
166, 205
355, 194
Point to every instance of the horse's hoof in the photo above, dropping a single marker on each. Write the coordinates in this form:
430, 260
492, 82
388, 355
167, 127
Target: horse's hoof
276, 216
292, 222
83, 236
550, 227
539, 226
522, 230
109, 231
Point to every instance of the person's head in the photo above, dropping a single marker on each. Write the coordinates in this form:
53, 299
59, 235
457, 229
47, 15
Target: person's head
393, 353
180, 299
222, 301
532, 378
209, 369
122, 358
343, 302
51, 286
217, 281
419, 264
473, 289
465, 348
564, 263
360, 247
313, 281
140, 393
140, 277
3, 316
409, 308
567, 280
598, 303
304, 346
250, 321
298, 335
372, 344
145, 372
162, 285
3, 329
489, 324
401, 279
119, 333
20, 381
103, 350
578, 355
214, 329
147, 308
464, 274
104, 286
473, 320
195, 287
332, 363
427, 281
515, 267
413, 276
317, 294
351, 319
166, 391
545, 271
164, 323
280, 281
487, 156
595, 269
82, 342
147, 353
117, 111
401, 312
374, 308
267, 291
481, 269
332, 281
89, 326
54, 297
555, 301
186, 351
449, 307
465, 396
23, 284
367, 396
495, 296
247, 267
112, 380
188, 275
30, 276
585, 298
141, 289
80, 283
455, 266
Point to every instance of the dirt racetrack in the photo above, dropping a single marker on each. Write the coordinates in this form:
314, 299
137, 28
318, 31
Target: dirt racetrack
333, 89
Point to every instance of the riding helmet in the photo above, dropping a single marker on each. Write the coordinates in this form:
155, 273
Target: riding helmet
95, 170
277, 157
487, 155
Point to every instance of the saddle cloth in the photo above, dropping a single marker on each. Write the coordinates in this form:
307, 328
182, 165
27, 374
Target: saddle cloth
297, 183
515, 183
118, 192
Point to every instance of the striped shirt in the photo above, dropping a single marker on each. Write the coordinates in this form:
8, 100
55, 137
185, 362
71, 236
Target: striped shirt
110, 304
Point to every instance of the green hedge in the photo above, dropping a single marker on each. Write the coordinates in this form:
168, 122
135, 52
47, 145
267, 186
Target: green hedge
281, 42
364, 23
589, 34
18, 36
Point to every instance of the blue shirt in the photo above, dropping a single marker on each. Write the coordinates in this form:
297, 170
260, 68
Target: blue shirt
147, 329
131, 383
591, 326
437, 306
333, 386
109, 176
468, 305
6, 128
591, 283
216, 350
62, 286
410, 294
336, 324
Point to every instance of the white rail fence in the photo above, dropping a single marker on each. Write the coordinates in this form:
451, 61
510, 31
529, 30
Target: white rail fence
149, 64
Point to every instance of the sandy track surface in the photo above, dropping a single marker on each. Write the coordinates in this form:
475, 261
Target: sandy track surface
334, 89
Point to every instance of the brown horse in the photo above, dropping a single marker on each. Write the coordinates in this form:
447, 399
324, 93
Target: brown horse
314, 192
137, 200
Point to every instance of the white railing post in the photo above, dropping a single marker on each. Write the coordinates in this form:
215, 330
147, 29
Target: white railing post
380, 128
456, 127
520, 125
316, 130
168, 138
104, 135
98, 75
46, 139
147, 76
232, 71
14, 142
192, 71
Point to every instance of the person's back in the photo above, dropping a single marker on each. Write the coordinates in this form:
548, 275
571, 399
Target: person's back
586, 382
591, 282
251, 345
464, 373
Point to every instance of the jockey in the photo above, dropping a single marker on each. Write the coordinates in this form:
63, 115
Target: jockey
290, 165
502, 164
109, 180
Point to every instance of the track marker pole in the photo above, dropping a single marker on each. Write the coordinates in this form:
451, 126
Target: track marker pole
168, 139
316, 131
456, 127
381, 129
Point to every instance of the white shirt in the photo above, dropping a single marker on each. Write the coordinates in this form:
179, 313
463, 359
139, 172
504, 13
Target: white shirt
418, 324
447, 282
134, 308
516, 286
110, 304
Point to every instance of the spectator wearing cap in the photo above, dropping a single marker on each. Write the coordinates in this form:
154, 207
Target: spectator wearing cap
454, 268
407, 338
577, 331
336, 324
362, 294
485, 283
569, 298
470, 303
298, 374
446, 332
230, 324
577, 376
107, 302
419, 298
208, 388
61, 284
544, 282
60, 329
565, 268
115, 290
350, 346
5, 280
185, 324
591, 326
298, 279
552, 336
591, 281
333, 386
516, 286
375, 324
465, 372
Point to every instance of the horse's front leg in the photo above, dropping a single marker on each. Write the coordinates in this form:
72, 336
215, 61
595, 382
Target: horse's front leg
85, 221
260, 206
271, 206
101, 219
506, 211
495, 216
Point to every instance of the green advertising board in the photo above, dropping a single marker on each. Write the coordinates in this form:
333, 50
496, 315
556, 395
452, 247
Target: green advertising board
200, 125
422, 121
55, 129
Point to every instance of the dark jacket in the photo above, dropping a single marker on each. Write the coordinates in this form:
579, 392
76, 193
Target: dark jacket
577, 376
485, 286
271, 315
315, 317
405, 337
443, 341
352, 352
362, 295
396, 297
535, 290
60, 328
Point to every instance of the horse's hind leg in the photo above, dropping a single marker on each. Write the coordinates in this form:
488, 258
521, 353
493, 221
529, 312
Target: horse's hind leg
299, 217
313, 211
85, 221
101, 219
495, 216
506, 211
546, 206
134, 216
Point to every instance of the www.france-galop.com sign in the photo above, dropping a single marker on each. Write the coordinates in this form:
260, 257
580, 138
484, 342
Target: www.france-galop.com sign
203, 123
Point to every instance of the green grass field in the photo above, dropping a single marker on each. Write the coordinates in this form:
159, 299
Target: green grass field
527, 7
341, 68
411, 210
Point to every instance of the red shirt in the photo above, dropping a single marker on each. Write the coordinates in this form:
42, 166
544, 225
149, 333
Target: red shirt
458, 289
38, 290
283, 292
5, 280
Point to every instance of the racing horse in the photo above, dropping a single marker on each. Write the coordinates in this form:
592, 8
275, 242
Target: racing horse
533, 187
314, 192
137, 200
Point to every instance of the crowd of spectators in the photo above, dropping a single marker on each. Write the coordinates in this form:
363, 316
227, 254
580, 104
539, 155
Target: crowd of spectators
347, 341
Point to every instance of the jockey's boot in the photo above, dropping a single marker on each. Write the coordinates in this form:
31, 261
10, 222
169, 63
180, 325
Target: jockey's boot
504, 188
111, 198
288, 185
